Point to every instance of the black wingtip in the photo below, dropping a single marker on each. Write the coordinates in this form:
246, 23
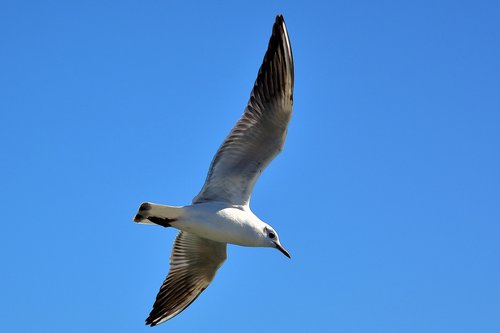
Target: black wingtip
279, 25
150, 321
279, 43
280, 19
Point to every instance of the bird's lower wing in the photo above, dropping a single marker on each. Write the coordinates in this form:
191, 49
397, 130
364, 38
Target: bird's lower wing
193, 264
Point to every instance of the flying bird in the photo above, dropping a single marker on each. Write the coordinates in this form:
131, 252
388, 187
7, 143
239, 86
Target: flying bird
220, 213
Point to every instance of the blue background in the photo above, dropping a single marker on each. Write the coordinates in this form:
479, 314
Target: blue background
387, 193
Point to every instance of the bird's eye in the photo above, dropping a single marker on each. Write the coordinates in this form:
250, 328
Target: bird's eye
271, 235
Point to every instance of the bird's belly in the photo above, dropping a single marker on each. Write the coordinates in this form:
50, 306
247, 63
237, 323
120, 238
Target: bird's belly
221, 224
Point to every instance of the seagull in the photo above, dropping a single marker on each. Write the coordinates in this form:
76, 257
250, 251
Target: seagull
220, 213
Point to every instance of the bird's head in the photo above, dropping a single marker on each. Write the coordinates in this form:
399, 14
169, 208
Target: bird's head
272, 239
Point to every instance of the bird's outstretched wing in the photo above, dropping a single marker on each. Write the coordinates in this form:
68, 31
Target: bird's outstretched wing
193, 264
259, 135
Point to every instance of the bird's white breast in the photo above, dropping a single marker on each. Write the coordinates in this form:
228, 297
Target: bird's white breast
222, 223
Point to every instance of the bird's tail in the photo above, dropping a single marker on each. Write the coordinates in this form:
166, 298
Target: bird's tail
150, 213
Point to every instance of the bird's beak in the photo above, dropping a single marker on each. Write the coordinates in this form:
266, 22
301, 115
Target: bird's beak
282, 249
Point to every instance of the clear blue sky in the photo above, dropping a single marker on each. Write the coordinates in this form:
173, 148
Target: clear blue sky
387, 193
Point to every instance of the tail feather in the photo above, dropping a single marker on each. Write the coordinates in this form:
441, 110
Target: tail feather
150, 213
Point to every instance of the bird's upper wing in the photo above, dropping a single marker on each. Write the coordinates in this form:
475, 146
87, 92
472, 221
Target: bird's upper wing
193, 264
259, 135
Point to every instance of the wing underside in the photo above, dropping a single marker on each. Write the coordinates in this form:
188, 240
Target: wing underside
259, 135
193, 264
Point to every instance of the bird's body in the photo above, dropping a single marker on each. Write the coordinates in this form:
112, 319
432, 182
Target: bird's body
220, 213
215, 220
